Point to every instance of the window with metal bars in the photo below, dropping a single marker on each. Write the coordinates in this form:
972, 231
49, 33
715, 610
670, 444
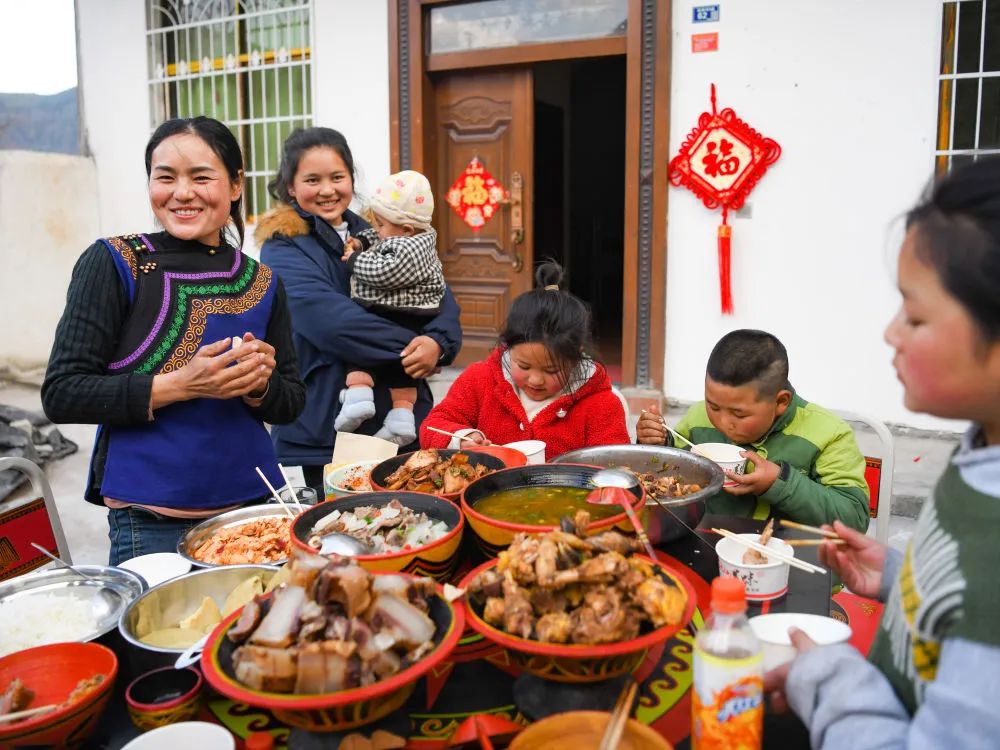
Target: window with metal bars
969, 85
247, 63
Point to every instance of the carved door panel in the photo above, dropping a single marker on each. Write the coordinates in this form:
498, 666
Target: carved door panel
489, 116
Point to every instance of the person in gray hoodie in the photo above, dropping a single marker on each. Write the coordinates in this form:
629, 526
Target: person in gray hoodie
933, 674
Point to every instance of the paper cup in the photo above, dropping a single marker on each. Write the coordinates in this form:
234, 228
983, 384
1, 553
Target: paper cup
726, 455
534, 450
772, 631
763, 582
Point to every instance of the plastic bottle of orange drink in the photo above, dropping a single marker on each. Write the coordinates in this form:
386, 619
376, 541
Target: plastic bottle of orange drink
728, 696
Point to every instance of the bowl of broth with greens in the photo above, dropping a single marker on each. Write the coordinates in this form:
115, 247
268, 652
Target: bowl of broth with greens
533, 499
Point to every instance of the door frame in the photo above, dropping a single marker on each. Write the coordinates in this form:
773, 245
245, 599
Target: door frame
647, 50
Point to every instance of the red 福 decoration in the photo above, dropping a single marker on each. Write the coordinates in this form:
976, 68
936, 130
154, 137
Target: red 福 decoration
475, 195
721, 161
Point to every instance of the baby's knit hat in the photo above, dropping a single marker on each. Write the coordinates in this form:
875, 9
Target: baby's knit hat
405, 198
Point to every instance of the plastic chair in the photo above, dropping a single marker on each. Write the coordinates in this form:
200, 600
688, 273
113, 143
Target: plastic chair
628, 422
878, 471
34, 521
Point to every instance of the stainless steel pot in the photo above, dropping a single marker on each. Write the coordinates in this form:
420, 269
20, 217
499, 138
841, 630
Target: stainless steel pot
170, 602
670, 518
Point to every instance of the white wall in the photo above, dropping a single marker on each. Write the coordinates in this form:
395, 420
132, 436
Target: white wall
848, 89
111, 42
48, 216
351, 67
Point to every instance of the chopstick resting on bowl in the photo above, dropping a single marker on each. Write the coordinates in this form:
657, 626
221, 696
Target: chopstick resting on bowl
28, 713
770, 552
619, 716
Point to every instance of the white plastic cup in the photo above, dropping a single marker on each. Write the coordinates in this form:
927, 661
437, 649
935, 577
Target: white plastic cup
534, 450
772, 631
303, 496
726, 455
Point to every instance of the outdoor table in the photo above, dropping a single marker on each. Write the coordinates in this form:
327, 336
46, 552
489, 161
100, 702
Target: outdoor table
477, 678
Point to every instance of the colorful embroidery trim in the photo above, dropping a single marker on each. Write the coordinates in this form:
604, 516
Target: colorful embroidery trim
184, 291
202, 308
136, 244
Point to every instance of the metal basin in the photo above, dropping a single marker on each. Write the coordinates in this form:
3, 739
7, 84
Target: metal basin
107, 596
173, 600
670, 518
197, 535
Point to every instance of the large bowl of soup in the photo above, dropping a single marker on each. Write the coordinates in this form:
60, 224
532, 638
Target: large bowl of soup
678, 483
533, 499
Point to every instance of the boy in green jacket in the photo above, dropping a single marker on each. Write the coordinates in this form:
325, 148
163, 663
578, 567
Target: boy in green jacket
806, 465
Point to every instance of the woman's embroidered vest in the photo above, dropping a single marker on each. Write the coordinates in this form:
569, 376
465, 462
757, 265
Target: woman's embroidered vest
200, 453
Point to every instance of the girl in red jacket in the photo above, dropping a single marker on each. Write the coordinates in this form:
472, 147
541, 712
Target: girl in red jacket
538, 384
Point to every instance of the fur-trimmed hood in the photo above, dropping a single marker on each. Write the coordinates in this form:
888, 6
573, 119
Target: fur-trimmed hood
282, 220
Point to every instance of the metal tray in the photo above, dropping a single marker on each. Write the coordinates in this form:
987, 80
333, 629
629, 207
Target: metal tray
199, 534
109, 595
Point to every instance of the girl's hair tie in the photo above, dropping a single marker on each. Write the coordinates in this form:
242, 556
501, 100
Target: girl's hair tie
552, 288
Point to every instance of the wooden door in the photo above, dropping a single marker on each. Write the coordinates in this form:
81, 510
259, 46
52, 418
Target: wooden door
487, 115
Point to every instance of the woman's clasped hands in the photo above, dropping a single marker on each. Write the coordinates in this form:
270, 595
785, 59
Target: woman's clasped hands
230, 368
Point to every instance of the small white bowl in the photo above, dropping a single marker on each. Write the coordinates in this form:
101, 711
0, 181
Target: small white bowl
157, 567
184, 734
726, 455
334, 480
534, 450
763, 582
772, 631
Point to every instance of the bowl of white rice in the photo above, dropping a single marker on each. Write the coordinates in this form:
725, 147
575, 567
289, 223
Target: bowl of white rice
57, 606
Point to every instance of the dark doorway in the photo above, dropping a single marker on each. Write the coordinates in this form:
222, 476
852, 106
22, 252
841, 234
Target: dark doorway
580, 186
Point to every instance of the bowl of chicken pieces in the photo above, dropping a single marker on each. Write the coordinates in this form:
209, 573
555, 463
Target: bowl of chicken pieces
444, 472
334, 648
573, 608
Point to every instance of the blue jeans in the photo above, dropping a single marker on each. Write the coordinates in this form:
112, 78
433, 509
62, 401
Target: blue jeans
136, 531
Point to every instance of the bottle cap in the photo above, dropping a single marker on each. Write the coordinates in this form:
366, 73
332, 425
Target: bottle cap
729, 595
259, 741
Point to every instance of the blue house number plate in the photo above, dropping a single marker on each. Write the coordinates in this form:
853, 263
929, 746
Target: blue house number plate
705, 13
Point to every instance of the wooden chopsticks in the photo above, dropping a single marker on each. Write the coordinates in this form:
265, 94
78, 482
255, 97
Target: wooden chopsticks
28, 713
770, 552
829, 537
619, 716
450, 434
811, 529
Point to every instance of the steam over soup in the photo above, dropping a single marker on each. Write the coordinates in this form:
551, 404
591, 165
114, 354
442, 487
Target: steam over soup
542, 506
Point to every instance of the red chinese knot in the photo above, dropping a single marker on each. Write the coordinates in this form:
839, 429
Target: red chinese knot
721, 161
475, 195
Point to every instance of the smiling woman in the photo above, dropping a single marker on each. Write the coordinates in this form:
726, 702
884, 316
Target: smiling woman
190, 196
145, 350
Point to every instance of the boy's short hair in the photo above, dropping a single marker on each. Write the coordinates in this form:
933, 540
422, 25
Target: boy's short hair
747, 357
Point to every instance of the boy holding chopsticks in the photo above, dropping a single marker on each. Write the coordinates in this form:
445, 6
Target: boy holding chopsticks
806, 463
